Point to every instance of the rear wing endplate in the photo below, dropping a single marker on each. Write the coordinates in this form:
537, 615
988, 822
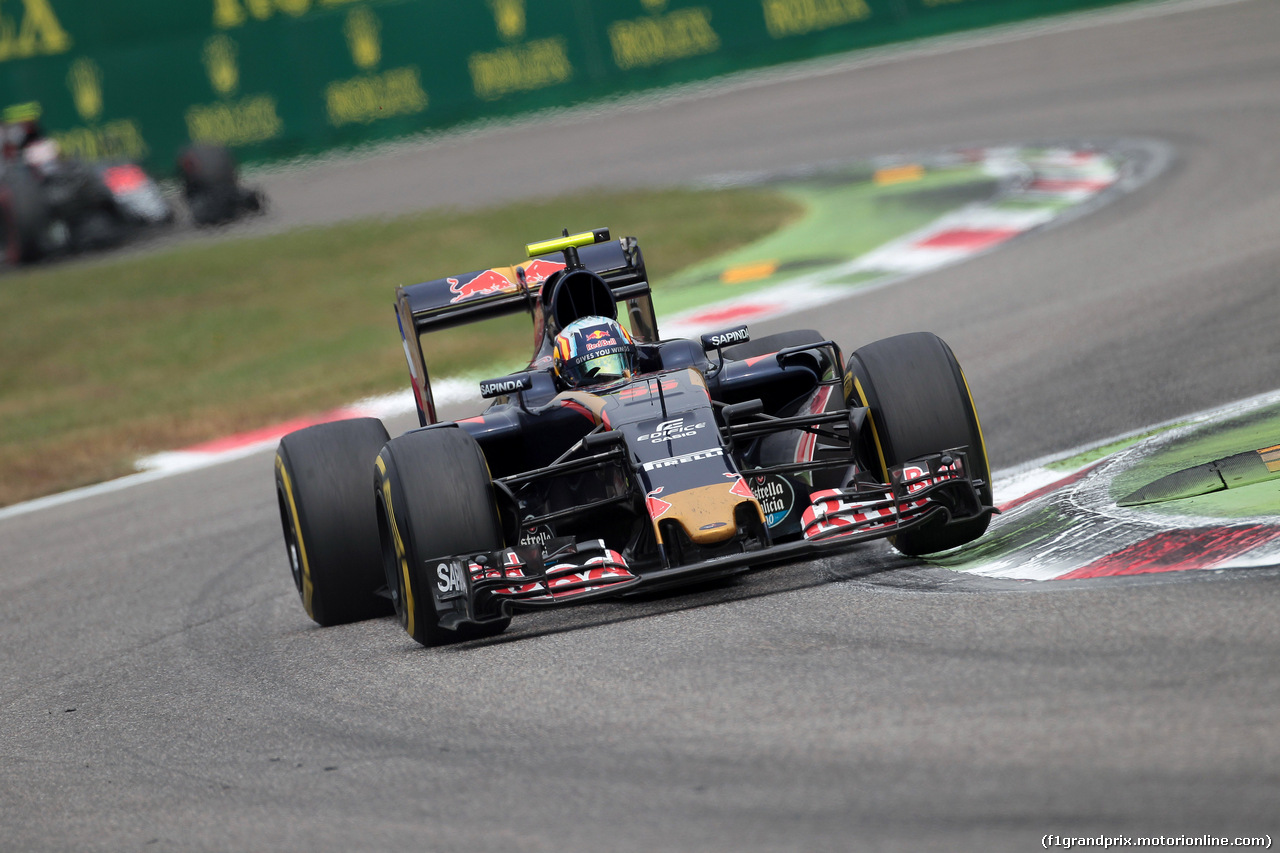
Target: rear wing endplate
500, 291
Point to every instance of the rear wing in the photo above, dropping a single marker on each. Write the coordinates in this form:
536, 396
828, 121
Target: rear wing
500, 291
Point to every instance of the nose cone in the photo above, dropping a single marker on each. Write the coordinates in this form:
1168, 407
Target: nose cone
707, 513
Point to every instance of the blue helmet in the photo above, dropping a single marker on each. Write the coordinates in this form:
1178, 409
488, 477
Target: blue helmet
594, 351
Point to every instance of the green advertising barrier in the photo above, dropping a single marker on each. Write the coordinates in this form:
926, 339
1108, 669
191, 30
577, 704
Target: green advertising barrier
273, 79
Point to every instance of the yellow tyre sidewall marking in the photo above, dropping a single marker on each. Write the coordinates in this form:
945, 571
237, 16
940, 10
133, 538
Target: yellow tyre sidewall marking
875, 436
982, 441
308, 588
409, 621
875, 433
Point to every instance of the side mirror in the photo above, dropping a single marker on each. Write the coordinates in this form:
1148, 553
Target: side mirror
597, 441
724, 337
741, 411
506, 385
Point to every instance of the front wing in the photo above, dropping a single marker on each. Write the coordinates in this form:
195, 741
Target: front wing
928, 490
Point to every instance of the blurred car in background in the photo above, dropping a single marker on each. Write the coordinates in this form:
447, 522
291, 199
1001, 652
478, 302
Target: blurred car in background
52, 205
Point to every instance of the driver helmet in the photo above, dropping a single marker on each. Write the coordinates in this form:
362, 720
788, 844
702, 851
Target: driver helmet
594, 351
21, 127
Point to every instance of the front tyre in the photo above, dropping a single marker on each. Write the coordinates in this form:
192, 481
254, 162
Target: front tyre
25, 216
920, 405
324, 488
435, 501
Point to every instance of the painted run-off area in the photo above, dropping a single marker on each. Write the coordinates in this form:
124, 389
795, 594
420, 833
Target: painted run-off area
1063, 519
849, 212
991, 196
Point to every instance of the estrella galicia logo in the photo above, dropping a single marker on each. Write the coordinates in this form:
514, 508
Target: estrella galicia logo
540, 535
775, 495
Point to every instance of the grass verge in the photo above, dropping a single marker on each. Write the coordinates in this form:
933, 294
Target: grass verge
105, 361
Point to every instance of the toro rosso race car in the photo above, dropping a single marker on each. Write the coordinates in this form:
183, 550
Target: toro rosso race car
619, 461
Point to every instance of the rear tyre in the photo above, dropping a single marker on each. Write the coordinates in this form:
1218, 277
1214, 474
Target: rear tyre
324, 485
919, 405
435, 501
210, 184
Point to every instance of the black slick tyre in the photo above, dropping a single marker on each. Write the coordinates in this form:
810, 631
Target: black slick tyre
24, 217
324, 485
435, 501
209, 183
920, 405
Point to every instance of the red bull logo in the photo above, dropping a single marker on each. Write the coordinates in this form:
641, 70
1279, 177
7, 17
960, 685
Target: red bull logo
489, 281
537, 271
597, 335
656, 506
740, 487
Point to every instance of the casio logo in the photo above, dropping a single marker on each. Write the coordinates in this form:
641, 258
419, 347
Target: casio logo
668, 430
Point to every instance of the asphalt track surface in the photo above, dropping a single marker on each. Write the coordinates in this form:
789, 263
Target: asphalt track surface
161, 688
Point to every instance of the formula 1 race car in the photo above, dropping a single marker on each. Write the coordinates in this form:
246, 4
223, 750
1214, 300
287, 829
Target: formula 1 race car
53, 205
619, 461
